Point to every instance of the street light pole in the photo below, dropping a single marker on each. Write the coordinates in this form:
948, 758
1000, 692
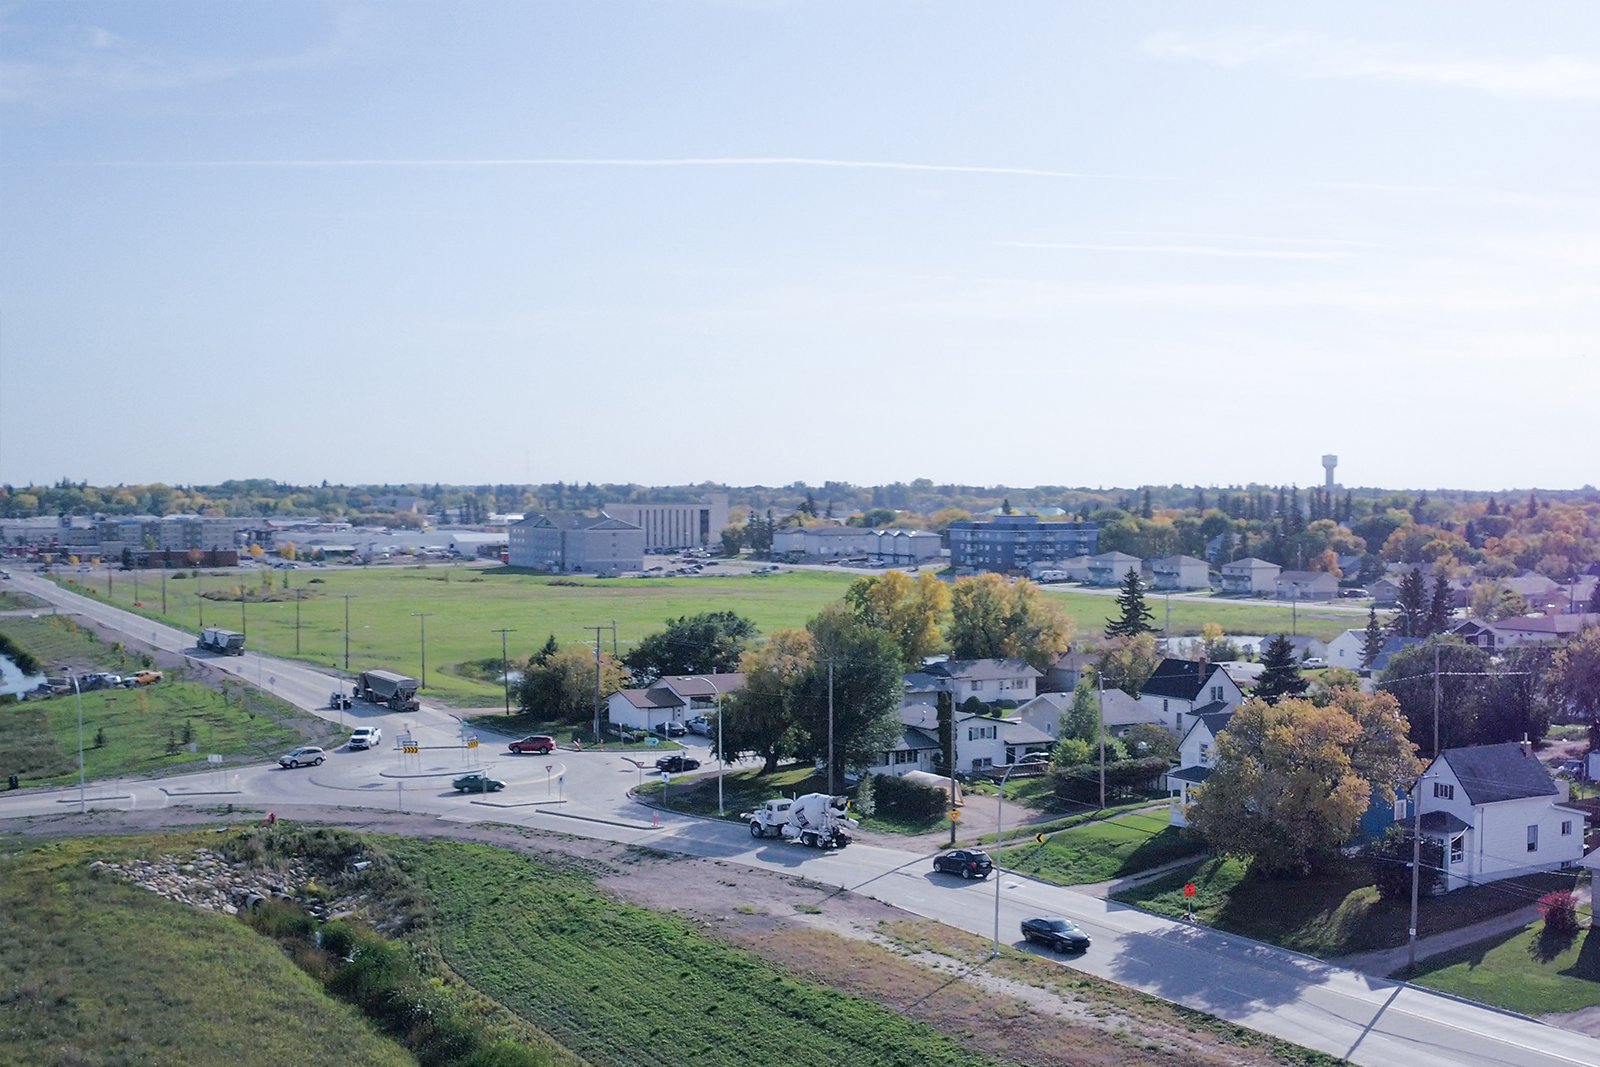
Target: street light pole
347, 597
1416, 872
999, 840
83, 804
505, 666
298, 593
422, 621
722, 760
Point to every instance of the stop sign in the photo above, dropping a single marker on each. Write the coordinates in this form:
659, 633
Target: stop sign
1188, 890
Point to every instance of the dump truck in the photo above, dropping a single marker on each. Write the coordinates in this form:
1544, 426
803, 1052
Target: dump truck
816, 820
223, 642
386, 687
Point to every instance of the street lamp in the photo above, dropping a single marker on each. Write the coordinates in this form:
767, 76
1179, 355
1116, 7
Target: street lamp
1031, 759
722, 760
83, 804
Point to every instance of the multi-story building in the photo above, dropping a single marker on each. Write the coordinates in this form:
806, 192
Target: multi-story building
571, 543
1010, 544
674, 526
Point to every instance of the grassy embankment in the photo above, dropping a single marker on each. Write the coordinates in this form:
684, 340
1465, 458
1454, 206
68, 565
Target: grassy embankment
98, 971
1335, 913
11, 600
746, 789
1095, 849
467, 605
141, 731
1523, 971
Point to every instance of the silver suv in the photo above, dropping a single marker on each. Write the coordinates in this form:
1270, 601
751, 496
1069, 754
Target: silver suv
305, 756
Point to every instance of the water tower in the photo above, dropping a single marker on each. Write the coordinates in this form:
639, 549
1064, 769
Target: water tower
1328, 463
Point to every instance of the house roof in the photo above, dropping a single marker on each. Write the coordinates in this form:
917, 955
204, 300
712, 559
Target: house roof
1247, 564
980, 669
915, 740
1216, 721
1493, 773
1057, 702
1442, 822
1113, 558
1391, 645
1017, 732
650, 698
1120, 709
696, 685
1191, 774
1554, 625
1180, 678
1177, 561
1216, 707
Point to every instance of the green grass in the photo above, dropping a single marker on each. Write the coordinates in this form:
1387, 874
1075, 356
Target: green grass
1522, 971
1022, 831
1102, 849
469, 604
14, 601
620, 984
1091, 611
39, 738
742, 790
521, 725
1332, 914
97, 971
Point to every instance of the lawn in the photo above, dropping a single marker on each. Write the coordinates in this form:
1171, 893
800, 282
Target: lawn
467, 605
1097, 850
621, 984
1091, 610
1523, 971
15, 601
746, 789
1333, 914
143, 731
98, 971
565, 733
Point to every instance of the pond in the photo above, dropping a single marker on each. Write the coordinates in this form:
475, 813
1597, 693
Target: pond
12, 680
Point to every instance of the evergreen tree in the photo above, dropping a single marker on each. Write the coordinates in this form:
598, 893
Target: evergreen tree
1438, 620
1005, 506
551, 647
1533, 506
1280, 675
1199, 499
1147, 511
1372, 640
1493, 508
1134, 617
1349, 507
1412, 617
1594, 599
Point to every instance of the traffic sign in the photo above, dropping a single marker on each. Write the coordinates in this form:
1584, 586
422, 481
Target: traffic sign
411, 750
548, 767
1039, 838
1188, 890
472, 742
955, 816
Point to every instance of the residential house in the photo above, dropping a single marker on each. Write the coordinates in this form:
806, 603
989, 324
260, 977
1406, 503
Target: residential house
914, 750
1249, 577
1111, 568
1010, 544
981, 741
824, 542
1348, 650
1075, 569
1066, 670
1180, 572
1531, 629
671, 698
1197, 757
906, 547
1306, 585
1391, 645
1181, 688
1477, 633
567, 544
1117, 710
990, 681
1498, 814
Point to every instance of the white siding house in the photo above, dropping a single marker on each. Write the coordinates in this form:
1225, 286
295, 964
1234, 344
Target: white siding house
1197, 755
1250, 576
1111, 568
1180, 572
1180, 689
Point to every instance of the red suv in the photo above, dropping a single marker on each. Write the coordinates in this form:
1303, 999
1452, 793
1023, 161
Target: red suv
534, 743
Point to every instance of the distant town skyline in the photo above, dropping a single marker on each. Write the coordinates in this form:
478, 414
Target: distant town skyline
754, 243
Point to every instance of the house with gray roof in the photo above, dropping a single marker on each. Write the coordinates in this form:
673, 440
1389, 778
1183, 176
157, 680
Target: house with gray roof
1180, 572
1497, 814
1111, 568
981, 741
1249, 577
671, 698
990, 681
1197, 757
1180, 688
1305, 585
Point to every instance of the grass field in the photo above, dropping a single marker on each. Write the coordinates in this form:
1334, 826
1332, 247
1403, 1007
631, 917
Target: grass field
11, 600
1091, 610
465, 606
131, 731
1101, 849
1334, 914
97, 971
621, 984
1523, 971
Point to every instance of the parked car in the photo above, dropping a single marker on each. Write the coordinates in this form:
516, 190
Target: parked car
102, 680
967, 862
1313, 663
1353, 593
142, 678
670, 729
1063, 935
305, 756
477, 783
365, 737
699, 724
539, 743
676, 764
1569, 768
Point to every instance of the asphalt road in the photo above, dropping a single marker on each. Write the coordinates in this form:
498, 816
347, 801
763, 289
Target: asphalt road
1342, 1012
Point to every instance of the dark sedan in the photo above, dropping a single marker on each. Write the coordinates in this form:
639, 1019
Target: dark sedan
677, 764
1063, 935
477, 783
967, 862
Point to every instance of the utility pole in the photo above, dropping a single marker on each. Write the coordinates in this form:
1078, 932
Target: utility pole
505, 666
614, 654
347, 597
200, 597
422, 621
950, 754
1100, 713
830, 726
1436, 698
597, 631
163, 591
298, 593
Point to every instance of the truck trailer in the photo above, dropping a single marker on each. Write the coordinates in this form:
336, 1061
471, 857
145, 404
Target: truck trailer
223, 642
386, 687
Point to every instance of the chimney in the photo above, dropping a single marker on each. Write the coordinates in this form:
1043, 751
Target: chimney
1527, 746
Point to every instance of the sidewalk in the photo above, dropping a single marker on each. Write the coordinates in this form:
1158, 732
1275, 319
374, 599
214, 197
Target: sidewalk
1385, 962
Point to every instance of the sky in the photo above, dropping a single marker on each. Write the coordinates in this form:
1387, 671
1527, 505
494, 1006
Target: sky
761, 241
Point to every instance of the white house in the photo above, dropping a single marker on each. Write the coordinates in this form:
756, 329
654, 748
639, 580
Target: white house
1250, 576
989, 680
1182, 688
1306, 585
671, 698
1180, 572
1498, 814
981, 741
914, 750
906, 546
1347, 649
1118, 711
1529, 629
1197, 755
1110, 568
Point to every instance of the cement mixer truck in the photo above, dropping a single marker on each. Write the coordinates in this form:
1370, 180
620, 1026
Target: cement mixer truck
816, 820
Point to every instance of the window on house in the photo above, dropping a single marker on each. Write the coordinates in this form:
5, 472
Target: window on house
1566, 827
1205, 752
977, 687
982, 762
1163, 707
1457, 848
1216, 693
1441, 791
1533, 838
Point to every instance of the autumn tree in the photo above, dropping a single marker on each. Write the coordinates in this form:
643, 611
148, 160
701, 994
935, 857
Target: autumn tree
1573, 681
1280, 674
1133, 616
911, 611
759, 719
1492, 601
1292, 779
1128, 663
561, 686
991, 618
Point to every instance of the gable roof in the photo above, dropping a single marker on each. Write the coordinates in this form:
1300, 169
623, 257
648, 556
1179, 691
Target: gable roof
1248, 563
980, 669
1215, 721
698, 685
1179, 678
1491, 773
650, 698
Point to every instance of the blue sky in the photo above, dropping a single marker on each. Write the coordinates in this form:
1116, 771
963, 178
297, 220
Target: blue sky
754, 242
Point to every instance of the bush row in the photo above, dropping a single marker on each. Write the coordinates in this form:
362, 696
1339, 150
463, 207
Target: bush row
912, 800
1081, 783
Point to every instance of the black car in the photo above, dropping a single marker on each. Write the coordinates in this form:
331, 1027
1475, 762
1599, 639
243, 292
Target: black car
967, 862
677, 764
1063, 935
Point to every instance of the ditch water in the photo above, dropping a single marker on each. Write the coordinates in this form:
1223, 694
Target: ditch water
13, 681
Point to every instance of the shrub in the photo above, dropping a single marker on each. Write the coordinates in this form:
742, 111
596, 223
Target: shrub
866, 801
1390, 860
912, 800
1560, 911
1081, 784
